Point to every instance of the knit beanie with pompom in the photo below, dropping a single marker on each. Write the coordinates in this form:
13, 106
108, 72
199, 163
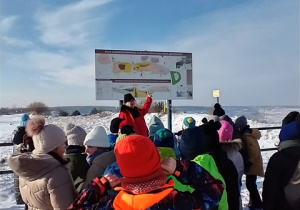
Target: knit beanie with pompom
188, 122
219, 111
45, 138
225, 132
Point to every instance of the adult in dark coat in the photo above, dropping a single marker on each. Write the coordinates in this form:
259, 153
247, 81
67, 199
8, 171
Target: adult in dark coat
282, 165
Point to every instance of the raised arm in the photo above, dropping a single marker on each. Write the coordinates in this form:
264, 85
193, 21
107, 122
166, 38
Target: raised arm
145, 109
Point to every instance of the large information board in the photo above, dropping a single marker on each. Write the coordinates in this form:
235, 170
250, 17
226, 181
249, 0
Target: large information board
167, 75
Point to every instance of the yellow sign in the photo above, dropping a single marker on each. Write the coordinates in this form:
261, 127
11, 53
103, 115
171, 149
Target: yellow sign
216, 93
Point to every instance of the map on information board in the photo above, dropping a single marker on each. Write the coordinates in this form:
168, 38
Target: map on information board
166, 75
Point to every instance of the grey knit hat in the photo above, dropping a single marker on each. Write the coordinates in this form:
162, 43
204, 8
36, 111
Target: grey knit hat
75, 134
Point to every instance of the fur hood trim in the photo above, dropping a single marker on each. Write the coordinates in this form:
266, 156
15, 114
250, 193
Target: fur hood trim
234, 145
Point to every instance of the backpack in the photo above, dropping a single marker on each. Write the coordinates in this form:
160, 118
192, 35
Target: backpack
292, 189
90, 196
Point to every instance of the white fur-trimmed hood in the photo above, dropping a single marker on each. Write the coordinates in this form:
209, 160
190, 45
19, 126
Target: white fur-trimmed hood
234, 145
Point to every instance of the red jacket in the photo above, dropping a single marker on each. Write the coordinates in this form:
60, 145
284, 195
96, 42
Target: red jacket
138, 123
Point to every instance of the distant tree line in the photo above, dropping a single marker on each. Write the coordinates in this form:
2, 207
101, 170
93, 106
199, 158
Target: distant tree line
40, 108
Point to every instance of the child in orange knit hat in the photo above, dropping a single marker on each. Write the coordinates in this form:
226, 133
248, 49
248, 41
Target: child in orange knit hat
144, 184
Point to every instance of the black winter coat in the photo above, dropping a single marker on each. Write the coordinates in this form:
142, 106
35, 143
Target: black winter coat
279, 171
230, 176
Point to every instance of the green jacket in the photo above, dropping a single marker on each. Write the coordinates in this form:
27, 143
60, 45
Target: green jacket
78, 169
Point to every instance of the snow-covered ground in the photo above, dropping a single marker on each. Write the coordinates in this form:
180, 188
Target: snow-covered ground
269, 117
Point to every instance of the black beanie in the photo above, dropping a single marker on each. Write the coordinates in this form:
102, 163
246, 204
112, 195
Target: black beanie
218, 110
192, 143
128, 97
114, 125
199, 140
127, 129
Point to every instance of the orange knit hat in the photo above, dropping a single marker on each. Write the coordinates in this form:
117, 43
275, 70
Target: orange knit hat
139, 163
137, 157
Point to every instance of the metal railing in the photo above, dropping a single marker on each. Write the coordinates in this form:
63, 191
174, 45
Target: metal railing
261, 128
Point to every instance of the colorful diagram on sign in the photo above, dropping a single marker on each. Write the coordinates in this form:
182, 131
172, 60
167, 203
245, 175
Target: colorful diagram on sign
165, 75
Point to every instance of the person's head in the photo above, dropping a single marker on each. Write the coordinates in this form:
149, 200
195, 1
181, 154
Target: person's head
114, 125
225, 132
46, 138
139, 163
290, 117
96, 140
75, 134
164, 138
60, 150
290, 131
155, 124
129, 100
188, 122
218, 111
127, 129
199, 140
24, 119
240, 123
124, 131
209, 118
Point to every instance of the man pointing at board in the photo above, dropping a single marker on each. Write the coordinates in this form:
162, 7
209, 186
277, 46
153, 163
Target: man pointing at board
133, 115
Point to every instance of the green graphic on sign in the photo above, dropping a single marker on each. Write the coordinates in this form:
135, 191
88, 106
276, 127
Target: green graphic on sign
175, 77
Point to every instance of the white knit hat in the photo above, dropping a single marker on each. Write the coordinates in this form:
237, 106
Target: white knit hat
45, 137
97, 137
75, 134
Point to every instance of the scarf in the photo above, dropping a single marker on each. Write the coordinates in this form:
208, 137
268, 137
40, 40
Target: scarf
90, 158
146, 184
133, 111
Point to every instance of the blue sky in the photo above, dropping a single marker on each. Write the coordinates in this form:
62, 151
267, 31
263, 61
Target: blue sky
249, 49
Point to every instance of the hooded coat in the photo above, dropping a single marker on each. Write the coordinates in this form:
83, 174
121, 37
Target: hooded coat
232, 149
254, 153
44, 182
138, 123
155, 124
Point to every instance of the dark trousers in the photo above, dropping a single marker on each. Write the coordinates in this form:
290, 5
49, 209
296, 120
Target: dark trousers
17, 190
255, 200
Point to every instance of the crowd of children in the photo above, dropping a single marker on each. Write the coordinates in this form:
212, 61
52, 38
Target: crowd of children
140, 167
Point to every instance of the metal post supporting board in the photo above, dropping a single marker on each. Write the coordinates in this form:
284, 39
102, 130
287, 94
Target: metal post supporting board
169, 112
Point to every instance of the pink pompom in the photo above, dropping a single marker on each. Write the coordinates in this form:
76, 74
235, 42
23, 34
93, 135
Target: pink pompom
35, 125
